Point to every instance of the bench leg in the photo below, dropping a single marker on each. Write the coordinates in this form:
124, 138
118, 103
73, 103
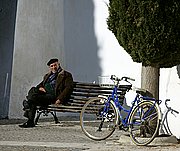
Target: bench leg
38, 115
55, 117
45, 112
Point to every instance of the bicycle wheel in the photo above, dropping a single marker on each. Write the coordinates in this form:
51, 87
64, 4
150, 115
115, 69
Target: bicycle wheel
144, 123
98, 118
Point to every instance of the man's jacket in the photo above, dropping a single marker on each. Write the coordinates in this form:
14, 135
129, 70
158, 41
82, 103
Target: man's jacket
63, 86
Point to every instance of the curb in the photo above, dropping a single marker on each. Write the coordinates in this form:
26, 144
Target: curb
160, 140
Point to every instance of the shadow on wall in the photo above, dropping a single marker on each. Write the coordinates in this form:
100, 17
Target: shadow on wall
80, 40
7, 23
178, 70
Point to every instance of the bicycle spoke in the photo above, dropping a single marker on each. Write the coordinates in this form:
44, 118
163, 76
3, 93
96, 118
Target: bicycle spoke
150, 116
101, 124
144, 129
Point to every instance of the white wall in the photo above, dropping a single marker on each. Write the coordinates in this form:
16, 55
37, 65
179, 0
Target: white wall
169, 89
39, 35
114, 60
80, 41
85, 47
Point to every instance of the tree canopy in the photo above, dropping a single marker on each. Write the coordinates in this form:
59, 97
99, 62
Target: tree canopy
149, 30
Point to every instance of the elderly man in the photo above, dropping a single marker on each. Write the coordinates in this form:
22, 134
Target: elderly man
55, 88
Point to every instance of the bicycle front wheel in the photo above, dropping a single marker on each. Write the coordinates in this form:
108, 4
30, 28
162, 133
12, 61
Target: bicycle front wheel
144, 123
98, 118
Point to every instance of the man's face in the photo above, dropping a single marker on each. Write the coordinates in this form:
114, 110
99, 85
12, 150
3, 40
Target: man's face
54, 66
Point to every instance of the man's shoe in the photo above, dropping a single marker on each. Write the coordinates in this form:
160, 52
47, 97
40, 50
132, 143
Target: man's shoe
25, 105
27, 125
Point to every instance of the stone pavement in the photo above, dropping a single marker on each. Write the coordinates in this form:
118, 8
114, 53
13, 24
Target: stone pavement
68, 136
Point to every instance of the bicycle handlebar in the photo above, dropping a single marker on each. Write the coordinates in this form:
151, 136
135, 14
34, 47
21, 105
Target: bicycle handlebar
174, 111
113, 77
127, 78
169, 108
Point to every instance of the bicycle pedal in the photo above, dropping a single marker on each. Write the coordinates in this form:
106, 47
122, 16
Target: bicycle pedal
121, 127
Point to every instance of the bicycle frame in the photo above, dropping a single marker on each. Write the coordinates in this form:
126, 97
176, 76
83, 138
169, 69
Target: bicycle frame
142, 118
114, 97
164, 128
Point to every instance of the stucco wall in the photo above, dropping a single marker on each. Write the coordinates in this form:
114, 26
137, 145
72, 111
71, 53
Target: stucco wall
39, 35
81, 49
7, 23
76, 32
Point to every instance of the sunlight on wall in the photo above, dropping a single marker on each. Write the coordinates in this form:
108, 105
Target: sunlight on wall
113, 58
170, 86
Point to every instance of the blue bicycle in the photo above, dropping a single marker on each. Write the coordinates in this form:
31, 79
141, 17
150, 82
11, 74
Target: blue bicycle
100, 116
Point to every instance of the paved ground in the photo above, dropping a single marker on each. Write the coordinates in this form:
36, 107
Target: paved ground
68, 136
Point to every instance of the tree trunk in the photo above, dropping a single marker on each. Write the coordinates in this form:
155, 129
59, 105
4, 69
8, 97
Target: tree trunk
150, 80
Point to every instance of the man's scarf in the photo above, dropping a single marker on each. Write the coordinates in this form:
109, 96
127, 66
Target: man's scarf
52, 78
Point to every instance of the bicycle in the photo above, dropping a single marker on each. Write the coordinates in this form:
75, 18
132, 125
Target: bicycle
164, 128
100, 116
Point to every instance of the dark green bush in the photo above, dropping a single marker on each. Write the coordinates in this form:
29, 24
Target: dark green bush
149, 30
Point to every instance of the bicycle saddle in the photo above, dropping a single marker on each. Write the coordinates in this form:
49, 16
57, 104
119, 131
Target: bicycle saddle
141, 91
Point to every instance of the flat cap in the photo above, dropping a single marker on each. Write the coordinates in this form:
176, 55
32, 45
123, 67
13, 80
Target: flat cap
53, 60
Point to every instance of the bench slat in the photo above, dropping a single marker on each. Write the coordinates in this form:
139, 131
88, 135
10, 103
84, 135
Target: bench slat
82, 92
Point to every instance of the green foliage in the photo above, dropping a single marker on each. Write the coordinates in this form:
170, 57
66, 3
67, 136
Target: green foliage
149, 30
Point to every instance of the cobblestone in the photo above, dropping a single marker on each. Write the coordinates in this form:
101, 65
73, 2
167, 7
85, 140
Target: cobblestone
67, 136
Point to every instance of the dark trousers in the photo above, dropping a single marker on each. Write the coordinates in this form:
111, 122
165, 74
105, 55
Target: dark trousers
37, 98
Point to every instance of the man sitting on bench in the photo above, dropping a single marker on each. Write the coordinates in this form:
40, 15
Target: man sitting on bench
56, 88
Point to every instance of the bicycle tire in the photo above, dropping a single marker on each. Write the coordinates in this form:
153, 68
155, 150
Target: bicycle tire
97, 121
144, 123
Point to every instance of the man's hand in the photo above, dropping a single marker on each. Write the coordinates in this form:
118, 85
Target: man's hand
42, 89
58, 102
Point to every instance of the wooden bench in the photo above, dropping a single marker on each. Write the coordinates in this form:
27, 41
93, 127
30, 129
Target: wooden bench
82, 92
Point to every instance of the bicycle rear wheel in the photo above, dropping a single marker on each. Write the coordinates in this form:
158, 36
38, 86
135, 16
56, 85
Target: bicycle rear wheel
98, 118
144, 123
